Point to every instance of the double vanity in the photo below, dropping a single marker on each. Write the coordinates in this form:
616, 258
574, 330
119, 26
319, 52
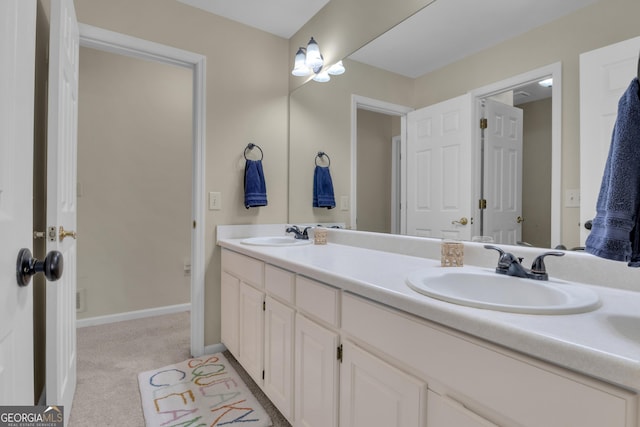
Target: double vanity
369, 330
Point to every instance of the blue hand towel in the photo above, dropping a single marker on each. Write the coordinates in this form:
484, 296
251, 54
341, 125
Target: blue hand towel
255, 189
323, 188
615, 233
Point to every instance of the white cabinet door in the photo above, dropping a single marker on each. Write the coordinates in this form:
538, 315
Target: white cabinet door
229, 318
316, 375
251, 331
376, 394
445, 412
278, 355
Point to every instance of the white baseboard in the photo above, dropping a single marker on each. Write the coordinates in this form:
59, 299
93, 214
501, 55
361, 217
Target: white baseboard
214, 348
131, 315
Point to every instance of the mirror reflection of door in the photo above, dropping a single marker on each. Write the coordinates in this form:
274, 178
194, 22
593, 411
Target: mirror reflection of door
438, 168
501, 160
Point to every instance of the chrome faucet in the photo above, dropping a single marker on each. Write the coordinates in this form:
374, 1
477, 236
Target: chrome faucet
511, 265
297, 233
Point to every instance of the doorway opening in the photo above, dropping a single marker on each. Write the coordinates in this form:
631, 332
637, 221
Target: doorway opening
397, 144
100, 39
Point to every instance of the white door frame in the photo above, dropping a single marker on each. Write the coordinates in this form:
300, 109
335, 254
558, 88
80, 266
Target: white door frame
555, 71
383, 107
98, 38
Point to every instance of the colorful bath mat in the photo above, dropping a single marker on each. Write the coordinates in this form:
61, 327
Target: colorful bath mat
204, 391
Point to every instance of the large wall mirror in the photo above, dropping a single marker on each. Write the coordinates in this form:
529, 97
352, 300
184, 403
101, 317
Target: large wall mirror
368, 187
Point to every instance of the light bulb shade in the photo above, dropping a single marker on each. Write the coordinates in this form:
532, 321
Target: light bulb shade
336, 69
299, 67
313, 59
322, 77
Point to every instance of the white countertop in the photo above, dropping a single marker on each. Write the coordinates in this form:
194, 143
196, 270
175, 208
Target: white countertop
603, 344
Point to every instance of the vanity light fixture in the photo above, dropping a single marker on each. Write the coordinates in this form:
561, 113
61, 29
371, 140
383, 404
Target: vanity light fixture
309, 61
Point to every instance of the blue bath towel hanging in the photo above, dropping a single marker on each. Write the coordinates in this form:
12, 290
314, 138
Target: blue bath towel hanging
255, 188
615, 232
323, 188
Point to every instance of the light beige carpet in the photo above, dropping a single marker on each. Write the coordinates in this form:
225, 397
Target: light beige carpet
110, 357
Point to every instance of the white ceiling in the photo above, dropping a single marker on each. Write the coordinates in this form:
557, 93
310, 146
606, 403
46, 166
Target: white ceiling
441, 33
280, 17
448, 30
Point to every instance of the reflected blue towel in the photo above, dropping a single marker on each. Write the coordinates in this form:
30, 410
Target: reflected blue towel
323, 188
615, 233
255, 189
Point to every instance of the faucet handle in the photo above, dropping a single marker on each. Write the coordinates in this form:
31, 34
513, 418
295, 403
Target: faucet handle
504, 261
538, 269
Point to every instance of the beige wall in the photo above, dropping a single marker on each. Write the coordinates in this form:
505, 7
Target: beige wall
536, 173
598, 25
134, 180
247, 88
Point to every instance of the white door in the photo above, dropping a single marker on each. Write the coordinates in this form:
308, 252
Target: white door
605, 74
17, 72
439, 170
502, 218
61, 202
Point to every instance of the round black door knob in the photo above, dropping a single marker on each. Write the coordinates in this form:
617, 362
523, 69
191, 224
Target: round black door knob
26, 266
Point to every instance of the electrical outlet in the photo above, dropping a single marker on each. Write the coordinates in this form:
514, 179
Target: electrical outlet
215, 201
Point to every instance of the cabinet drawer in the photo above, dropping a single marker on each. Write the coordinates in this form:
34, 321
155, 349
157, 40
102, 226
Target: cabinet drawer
488, 378
279, 283
247, 269
318, 299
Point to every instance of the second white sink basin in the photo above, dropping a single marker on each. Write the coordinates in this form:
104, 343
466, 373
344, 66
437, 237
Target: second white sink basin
275, 241
486, 289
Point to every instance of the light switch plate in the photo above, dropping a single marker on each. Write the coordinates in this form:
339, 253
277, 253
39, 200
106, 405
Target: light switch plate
215, 201
344, 203
572, 199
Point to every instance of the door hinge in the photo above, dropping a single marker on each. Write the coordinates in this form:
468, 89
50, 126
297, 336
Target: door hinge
263, 374
339, 353
483, 123
264, 306
482, 204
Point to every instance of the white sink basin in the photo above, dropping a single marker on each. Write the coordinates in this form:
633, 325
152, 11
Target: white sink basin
486, 289
275, 241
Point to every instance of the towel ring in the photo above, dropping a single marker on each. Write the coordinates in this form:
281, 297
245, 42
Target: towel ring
320, 155
250, 147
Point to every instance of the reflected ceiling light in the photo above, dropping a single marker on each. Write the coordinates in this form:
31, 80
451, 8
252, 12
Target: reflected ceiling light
309, 61
546, 82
